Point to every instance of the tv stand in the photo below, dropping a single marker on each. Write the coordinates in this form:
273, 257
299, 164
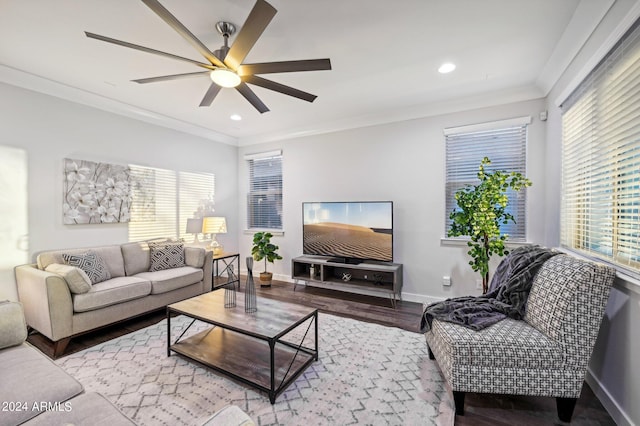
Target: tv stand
347, 260
366, 277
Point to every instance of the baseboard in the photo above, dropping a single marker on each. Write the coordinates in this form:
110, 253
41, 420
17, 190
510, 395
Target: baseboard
614, 409
420, 298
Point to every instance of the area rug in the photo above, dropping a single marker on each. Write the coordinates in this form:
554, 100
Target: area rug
366, 374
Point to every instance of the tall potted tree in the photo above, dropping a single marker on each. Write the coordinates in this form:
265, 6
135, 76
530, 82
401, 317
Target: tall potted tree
481, 209
264, 249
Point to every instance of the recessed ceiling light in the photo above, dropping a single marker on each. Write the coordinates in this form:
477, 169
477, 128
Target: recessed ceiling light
447, 67
235, 117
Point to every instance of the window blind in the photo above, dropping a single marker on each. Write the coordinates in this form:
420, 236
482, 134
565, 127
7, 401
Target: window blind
600, 211
195, 190
163, 200
264, 200
153, 211
505, 147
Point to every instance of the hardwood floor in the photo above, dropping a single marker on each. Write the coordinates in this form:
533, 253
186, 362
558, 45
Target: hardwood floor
480, 409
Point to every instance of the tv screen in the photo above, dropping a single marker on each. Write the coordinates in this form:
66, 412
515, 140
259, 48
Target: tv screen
349, 230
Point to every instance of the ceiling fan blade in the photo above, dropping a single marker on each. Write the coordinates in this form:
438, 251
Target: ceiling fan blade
281, 88
173, 22
285, 66
258, 19
211, 94
171, 77
147, 49
252, 98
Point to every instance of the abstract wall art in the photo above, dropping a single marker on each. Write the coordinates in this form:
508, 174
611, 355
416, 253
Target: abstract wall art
97, 192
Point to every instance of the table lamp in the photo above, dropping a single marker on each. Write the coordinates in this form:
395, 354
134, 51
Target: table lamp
214, 225
194, 226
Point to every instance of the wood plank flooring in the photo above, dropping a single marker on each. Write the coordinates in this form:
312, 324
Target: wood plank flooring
480, 409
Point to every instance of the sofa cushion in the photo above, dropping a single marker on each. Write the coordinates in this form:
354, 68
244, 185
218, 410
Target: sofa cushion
88, 409
13, 328
171, 279
111, 292
34, 379
194, 256
136, 257
91, 263
77, 280
166, 255
507, 344
112, 255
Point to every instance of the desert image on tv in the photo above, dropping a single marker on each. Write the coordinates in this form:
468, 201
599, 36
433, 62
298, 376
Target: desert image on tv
338, 239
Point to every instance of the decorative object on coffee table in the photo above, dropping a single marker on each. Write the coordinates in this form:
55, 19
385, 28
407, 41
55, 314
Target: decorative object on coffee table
230, 295
250, 303
264, 249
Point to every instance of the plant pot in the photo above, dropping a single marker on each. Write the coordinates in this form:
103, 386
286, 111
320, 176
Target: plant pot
265, 279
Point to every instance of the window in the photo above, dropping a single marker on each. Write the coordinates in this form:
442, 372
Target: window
505, 143
600, 211
264, 201
164, 199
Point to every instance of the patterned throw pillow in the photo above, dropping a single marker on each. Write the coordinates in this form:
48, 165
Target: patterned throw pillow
91, 263
166, 255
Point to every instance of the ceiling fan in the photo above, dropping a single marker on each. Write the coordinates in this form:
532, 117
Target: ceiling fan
224, 65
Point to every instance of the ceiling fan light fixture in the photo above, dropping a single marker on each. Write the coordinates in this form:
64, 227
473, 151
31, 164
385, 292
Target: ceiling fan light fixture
225, 77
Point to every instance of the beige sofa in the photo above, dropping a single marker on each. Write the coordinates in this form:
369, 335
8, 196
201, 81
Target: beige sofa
55, 307
35, 391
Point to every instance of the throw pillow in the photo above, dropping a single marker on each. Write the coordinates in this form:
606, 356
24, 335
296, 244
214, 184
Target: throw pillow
91, 263
13, 328
77, 280
166, 255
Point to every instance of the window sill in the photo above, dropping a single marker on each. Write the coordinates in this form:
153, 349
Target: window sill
274, 232
462, 242
623, 279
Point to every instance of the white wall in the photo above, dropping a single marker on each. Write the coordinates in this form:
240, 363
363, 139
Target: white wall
614, 368
402, 162
51, 129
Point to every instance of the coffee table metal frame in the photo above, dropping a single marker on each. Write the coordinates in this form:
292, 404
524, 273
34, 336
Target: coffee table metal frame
199, 347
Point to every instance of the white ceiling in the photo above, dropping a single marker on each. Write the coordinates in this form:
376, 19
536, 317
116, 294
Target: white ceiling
384, 55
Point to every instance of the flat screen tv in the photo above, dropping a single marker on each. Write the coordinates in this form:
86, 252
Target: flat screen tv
349, 232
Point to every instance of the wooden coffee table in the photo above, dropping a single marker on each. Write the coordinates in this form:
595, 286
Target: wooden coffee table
250, 347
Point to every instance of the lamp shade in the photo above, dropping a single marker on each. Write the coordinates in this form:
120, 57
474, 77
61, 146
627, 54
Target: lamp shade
194, 226
214, 225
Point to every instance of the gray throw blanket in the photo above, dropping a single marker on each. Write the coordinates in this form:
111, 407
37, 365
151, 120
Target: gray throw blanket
507, 295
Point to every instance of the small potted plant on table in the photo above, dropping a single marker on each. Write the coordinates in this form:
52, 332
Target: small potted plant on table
264, 249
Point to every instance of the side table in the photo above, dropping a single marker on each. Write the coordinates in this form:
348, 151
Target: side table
228, 272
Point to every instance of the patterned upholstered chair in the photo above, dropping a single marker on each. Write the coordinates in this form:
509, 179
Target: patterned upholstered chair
546, 354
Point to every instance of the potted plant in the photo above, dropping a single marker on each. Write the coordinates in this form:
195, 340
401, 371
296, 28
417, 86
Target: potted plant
264, 249
481, 209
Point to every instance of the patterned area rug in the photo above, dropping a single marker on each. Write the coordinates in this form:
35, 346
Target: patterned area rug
366, 374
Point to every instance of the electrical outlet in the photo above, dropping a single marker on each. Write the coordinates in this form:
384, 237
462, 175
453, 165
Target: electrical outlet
446, 280
479, 284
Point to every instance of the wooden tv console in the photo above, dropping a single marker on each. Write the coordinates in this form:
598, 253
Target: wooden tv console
375, 278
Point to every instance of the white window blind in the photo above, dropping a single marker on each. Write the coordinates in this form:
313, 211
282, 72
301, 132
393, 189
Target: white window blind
195, 192
600, 211
505, 143
164, 199
264, 201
